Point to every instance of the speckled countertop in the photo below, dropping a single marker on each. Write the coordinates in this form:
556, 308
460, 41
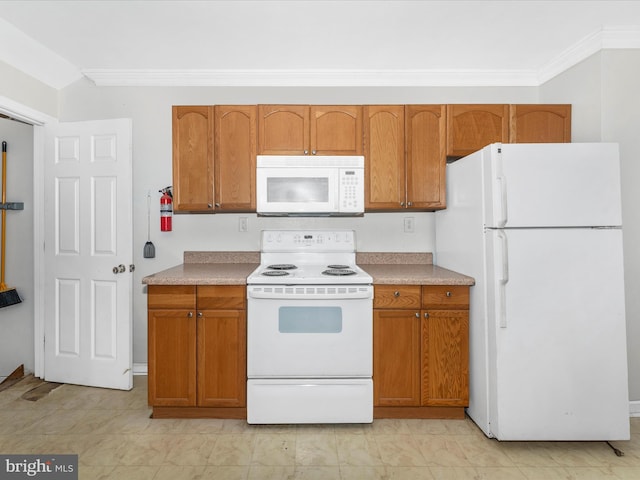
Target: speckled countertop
208, 268
408, 269
233, 268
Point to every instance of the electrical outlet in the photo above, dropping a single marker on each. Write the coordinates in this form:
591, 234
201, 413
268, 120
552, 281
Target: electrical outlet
243, 224
408, 224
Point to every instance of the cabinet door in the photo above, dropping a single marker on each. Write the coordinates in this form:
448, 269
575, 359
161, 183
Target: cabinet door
396, 358
192, 158
384, 157
471, 127
235, 158
336, 130
222, 358
540, 123
283, 129
425, 127
172, 357
445, 358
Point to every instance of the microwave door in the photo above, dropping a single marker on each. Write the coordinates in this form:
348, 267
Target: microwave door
292, 190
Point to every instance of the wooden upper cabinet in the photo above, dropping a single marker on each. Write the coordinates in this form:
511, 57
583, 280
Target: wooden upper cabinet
384, 157
235, 158
310, 130
540, 123
471, 127
425, 127
192, 158
336, 130
283, 129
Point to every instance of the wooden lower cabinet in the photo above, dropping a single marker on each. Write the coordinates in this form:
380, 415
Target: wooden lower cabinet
172, 358
396, 358
222, 359
197, 351
420, 351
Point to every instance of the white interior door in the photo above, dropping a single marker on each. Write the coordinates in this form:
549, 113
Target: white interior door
88, 252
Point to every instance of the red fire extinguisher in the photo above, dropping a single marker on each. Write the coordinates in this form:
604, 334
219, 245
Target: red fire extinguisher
166, 209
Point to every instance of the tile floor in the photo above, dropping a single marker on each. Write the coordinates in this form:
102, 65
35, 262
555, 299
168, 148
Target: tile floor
115, 439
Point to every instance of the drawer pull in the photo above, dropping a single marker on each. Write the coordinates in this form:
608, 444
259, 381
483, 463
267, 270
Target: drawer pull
396, 293
448, 294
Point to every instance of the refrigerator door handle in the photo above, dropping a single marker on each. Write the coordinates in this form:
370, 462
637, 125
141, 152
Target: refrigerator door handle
503, 217
504, 278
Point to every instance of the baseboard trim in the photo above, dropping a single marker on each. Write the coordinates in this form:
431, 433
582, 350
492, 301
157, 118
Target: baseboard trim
140, 369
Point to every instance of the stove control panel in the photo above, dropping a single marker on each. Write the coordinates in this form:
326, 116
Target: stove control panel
308, 240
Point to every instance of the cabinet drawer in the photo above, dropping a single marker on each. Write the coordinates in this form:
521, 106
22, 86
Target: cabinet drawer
445, 296
221, 297
396, 296
171, 296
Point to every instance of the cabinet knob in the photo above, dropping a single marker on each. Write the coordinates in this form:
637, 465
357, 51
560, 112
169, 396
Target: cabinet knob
199, 314
217, 205
426, 315
209, 205
417, 315
396, 293
190, 314
306, 152
448, 294
409, 204
402, 204
313, 152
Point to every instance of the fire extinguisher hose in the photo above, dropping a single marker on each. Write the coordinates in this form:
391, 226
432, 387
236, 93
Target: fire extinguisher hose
8, 296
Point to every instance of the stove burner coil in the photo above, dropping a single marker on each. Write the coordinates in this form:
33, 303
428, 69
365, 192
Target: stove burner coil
275, 273
282, 266
338, 267
339, 272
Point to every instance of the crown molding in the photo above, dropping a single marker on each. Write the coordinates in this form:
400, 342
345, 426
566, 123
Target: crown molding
51, 69
310, 78
604, 38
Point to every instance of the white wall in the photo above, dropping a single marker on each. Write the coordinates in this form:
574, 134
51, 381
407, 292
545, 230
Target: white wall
28, 91
606, 107
601, 90
16, 321
621, 123
150, 109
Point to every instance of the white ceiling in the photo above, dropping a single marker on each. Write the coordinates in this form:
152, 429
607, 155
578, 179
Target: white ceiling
298, 42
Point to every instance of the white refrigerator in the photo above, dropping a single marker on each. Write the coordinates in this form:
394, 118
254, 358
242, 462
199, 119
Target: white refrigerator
539, 227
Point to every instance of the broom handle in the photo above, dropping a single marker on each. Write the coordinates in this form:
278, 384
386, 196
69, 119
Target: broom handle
4, 213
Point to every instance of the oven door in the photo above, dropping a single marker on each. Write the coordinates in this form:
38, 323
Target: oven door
282, 191
310, 335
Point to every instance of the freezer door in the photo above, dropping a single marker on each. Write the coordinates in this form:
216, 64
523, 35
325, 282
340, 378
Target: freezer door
556, 337
552, 185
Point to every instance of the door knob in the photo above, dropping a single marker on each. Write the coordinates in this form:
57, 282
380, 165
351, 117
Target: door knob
119, 269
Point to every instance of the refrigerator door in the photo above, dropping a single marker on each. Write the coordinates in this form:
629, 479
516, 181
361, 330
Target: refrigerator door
557, 363
552, 185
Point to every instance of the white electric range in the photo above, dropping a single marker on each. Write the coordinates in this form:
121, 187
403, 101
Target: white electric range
309, 330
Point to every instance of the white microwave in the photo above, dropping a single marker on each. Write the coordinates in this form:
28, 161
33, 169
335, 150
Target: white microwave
309, 185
